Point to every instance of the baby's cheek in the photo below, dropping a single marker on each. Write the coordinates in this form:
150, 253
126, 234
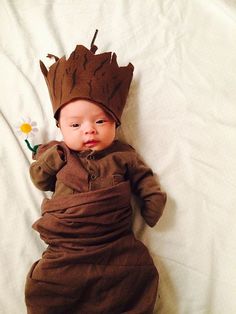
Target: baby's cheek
73, 142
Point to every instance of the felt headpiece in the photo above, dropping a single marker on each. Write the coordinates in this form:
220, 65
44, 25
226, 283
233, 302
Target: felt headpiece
88, 76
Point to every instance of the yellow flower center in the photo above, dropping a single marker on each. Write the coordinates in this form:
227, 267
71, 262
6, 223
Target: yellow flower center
26, 128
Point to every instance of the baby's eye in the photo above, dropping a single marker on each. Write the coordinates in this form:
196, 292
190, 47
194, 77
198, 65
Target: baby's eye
75, 125
100, 121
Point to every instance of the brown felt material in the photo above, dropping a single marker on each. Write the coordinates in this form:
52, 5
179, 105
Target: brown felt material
85, 75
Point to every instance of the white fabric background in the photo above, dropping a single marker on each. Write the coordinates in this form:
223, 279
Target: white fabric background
180, 116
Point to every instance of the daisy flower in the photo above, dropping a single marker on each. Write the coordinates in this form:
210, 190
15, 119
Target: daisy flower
27, 127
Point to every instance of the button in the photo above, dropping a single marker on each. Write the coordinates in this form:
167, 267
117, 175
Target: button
93, 176
91, 157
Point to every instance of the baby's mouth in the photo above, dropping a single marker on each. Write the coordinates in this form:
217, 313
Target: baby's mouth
91, 143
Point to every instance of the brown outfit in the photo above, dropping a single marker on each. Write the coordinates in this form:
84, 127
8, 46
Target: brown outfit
93, 263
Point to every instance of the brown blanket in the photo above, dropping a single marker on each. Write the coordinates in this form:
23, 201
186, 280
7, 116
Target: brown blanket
93, 263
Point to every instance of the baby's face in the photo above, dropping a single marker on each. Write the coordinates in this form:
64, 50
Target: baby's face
85, 125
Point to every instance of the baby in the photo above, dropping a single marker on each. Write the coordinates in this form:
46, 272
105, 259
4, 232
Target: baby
93, 262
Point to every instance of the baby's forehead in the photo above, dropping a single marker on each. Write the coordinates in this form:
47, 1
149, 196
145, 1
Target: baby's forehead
82, 107
80, 113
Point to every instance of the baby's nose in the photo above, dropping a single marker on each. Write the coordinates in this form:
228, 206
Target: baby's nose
89, 129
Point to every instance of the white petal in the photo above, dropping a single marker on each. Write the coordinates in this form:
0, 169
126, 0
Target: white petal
28, 120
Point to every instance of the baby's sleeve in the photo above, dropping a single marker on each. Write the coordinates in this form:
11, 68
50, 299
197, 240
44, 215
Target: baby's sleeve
146, 187
50, 158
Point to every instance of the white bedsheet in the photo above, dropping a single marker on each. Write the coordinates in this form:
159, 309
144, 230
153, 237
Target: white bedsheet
180, 115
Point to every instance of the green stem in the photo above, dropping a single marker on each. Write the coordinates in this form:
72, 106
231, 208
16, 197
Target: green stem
33, 149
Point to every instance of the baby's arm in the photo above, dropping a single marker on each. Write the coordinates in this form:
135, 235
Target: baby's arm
146, 187
50, 159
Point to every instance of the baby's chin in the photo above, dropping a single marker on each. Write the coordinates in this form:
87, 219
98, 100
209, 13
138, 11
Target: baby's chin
93, 146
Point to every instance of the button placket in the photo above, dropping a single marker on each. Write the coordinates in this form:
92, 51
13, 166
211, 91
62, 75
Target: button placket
92, 173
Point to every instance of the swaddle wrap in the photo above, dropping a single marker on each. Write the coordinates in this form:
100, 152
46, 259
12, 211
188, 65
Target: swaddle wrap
86, 219
93, 264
